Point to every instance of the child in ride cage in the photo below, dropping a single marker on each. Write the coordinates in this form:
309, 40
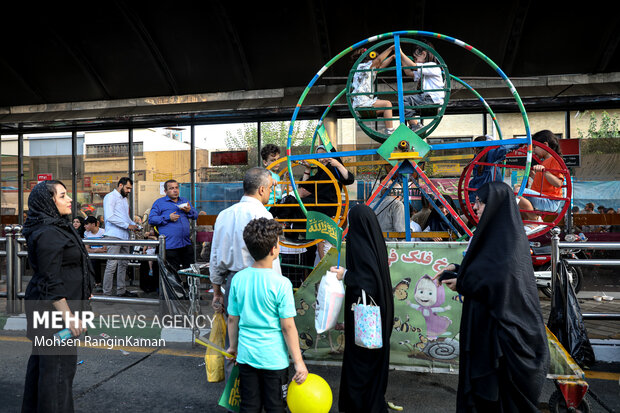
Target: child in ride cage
362, 83
547, 180
426, 70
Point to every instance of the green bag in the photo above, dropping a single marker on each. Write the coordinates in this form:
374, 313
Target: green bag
231, 398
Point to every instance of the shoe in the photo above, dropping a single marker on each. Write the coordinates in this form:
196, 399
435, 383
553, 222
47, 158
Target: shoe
151, 272
127, 294
415, 126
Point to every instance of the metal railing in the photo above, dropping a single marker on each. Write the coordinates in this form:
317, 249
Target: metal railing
556, 246
15, 252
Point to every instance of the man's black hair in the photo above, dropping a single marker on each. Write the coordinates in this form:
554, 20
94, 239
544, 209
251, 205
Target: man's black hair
260, 236
124, 180
169, 181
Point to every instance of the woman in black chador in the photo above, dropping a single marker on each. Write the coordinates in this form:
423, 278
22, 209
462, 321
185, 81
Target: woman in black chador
504, 356
364, 376
62, 281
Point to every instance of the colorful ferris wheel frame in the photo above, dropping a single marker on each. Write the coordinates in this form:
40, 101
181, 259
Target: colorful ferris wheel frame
396, 36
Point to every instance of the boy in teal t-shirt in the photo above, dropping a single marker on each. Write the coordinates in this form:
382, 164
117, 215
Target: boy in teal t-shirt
261, 324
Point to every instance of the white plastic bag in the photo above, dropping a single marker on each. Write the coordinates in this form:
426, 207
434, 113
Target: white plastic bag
328, 302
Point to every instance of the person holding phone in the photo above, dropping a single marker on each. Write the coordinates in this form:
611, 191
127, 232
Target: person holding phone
62, 283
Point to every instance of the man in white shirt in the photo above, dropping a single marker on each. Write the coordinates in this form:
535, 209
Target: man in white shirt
229, 254
117, 226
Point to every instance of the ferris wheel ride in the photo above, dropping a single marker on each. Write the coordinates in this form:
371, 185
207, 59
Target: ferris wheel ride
406, 147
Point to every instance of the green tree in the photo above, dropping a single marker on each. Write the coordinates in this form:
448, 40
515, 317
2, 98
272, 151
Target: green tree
271, 132
608, 127
246, 138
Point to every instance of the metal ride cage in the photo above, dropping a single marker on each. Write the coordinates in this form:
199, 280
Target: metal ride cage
396, 38
342, 207
543, 227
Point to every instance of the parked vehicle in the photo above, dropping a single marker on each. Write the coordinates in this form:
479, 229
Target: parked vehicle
541, 260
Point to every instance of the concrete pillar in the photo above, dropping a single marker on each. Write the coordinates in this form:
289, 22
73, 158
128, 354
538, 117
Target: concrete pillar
331, 126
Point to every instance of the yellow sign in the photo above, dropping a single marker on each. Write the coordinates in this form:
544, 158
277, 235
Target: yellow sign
104, 179
446, 169
161, 177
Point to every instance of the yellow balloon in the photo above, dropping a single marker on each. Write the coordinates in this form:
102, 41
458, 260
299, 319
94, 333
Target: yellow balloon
312, 396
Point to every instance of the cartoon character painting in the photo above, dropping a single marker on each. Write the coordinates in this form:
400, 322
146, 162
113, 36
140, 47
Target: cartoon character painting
429, 297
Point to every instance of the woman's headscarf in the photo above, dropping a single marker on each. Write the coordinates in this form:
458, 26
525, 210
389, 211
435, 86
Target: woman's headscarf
367, 262
81, 229
42, 211
435, 221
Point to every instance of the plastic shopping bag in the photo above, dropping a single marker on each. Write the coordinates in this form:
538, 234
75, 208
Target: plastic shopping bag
328, 302
214, 361
367, 324
566, 321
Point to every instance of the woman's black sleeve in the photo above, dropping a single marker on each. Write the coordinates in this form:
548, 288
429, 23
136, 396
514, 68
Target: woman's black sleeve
49, 253
350, 179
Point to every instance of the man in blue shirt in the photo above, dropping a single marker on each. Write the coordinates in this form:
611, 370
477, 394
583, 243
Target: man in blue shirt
171, 215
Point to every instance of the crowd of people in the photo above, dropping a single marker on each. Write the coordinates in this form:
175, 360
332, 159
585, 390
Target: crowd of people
501, 367
589, 209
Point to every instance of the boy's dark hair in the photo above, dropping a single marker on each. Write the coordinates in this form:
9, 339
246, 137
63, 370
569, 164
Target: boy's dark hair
260, 236
91, 220
269, 149
548, 138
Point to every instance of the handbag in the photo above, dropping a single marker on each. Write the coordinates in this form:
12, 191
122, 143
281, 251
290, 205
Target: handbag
367, 319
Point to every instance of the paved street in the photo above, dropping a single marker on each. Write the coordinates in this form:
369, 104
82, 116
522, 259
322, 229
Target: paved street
174, 379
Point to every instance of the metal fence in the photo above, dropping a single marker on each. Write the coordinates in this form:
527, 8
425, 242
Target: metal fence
556, 246
15, 253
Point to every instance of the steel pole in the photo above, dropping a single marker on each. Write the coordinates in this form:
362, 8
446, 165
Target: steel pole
555, 256
10, 280
18, 267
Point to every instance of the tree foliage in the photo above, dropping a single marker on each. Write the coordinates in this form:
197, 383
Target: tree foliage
608, 127
271, 132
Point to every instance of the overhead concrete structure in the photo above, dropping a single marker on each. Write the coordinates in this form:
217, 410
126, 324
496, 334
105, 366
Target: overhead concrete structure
68, 65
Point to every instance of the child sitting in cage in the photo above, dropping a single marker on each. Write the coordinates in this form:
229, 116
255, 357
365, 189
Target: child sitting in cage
362, 83
547, 180
426, 70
